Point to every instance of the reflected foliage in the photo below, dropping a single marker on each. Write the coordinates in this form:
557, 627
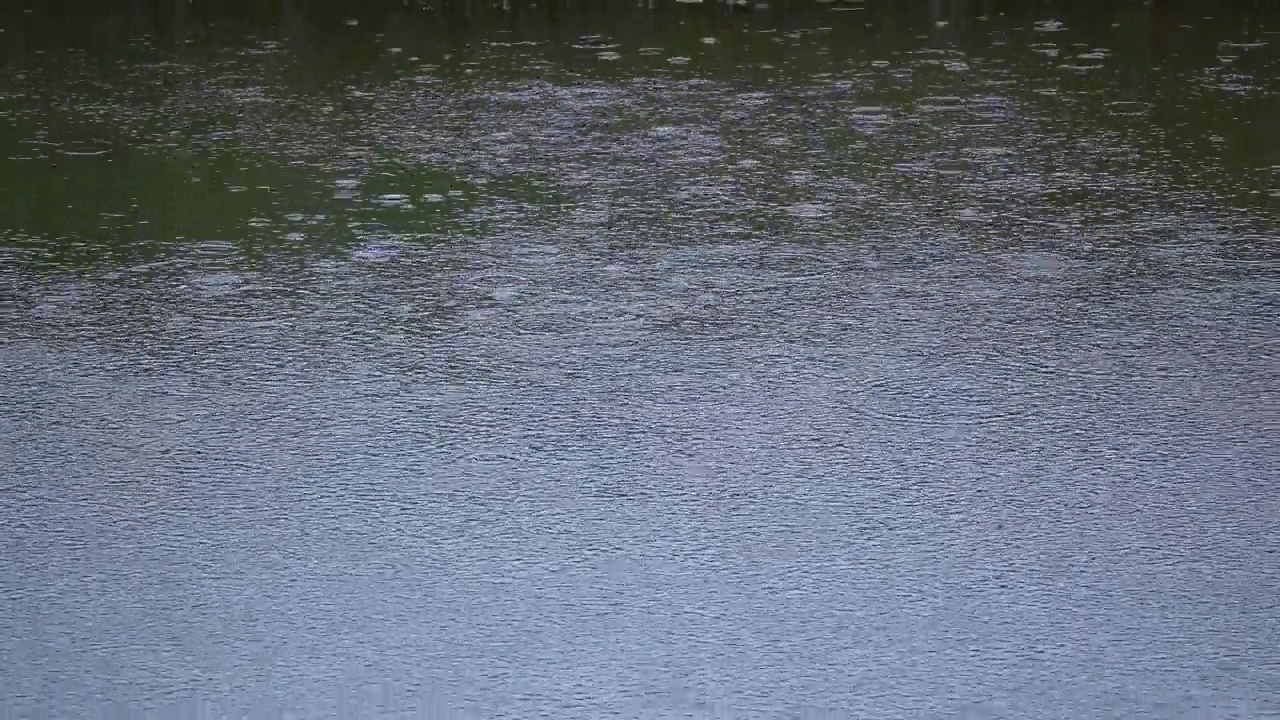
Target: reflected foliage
130, 128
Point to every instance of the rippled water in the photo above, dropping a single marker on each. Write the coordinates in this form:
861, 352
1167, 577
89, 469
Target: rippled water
830, 360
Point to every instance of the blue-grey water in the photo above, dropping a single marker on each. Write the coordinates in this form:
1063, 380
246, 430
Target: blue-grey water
927, 382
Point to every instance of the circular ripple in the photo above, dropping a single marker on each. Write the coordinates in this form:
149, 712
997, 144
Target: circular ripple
948, 395
226, 301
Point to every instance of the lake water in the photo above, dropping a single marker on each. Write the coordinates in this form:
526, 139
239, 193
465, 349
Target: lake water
639, 360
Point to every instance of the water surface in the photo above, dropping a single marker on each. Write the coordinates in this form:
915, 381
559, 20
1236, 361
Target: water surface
656, 360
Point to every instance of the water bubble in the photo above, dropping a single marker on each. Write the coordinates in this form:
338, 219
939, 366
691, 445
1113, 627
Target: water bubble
1126, 107
811, 210
375, 252
216, 284
75, 149
948, 103
594, 42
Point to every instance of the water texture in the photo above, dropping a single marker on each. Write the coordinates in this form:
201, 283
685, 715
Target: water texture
641, 360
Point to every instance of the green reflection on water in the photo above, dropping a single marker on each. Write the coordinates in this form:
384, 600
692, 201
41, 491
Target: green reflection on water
129, 128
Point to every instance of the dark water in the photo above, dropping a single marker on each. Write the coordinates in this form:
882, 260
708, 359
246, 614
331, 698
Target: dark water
640, 360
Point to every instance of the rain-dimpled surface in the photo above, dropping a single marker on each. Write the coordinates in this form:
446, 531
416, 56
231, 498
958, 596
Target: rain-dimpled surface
681, 360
